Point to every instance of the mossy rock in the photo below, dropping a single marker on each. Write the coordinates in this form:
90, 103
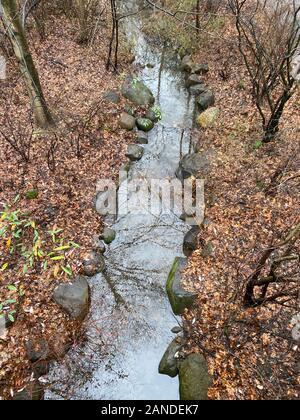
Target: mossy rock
179, 298
194, 378
32, 194
144, 124
137, 92
169, 363
108, 235
208, 118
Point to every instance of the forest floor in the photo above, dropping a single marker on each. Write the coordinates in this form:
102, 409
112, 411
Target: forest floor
251, 353
74, 79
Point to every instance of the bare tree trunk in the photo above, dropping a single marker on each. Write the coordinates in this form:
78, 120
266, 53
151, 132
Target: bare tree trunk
198, 17
15, 32
114, 38
272, 127
83, 18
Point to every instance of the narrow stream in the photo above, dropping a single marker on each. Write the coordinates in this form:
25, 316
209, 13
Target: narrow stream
129, 326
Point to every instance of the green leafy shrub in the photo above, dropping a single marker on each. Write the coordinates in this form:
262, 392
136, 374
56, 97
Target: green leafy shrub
26, 249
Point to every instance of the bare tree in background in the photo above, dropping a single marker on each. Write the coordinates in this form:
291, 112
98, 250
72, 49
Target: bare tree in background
10, 16
269, 36
114, 41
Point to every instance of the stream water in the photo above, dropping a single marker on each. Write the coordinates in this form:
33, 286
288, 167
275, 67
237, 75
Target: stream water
129, 326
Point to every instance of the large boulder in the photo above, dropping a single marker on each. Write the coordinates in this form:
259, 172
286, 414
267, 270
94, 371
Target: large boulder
179, 298
73, 298
135, 152
127, 122
208, 118
137, 92
169, 362
144, 124
190, 242
194, 164
93, 263
205, 100
194, 378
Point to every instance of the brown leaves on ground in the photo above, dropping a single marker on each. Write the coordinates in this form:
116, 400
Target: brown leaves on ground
251, 353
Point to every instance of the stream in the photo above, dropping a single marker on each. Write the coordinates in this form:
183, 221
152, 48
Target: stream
129, 327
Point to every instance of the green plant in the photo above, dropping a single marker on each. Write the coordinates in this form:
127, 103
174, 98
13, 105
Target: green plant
157, 111
25, 247
257, 145
8, 308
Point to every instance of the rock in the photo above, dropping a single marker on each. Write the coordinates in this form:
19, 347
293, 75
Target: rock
73, 298
112, 96
41, 368
200, 69
144, 124
137, 92
193, 80
207, 250
101, 247
93, 264
129, 110
169, 362
152, 115
187, 63
190, 242
32, 194
108, 235
176, 330
205, 100
37, 349
135, 152
141, 138
198, 89
98, 245
38, 354
127, 121
32, 392
194, 378
208, 118
194, 164
179, 298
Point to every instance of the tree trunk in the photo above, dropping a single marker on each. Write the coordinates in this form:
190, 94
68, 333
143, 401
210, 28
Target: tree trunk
12, 22
272, 126
82, 17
